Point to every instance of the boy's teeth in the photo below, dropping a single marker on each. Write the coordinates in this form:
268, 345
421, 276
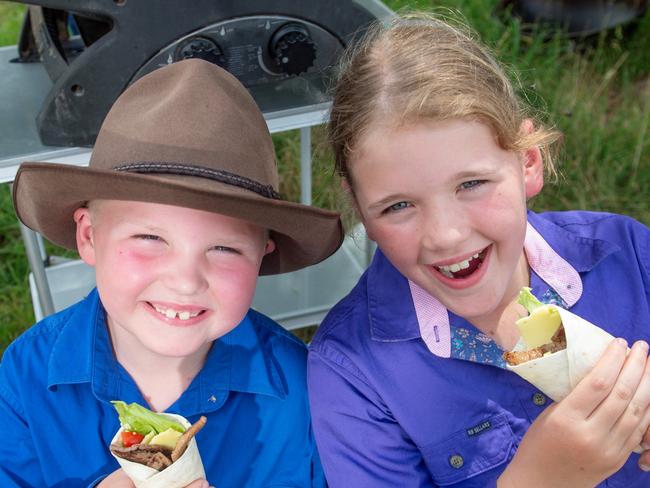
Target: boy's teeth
171, 313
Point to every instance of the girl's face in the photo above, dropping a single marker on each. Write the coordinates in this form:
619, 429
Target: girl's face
447, 206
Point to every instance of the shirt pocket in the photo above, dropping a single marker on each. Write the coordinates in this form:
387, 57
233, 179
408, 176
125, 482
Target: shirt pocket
467, 453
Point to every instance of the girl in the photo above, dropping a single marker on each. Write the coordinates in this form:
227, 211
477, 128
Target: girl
407, 382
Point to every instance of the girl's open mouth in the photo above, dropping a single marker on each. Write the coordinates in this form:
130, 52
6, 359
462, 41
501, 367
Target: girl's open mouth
465, 268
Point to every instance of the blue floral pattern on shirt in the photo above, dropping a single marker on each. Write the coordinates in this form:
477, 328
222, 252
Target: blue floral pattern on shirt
470, 344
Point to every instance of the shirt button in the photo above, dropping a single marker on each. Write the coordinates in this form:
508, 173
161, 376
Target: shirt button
456, 461
212, 399
539, 399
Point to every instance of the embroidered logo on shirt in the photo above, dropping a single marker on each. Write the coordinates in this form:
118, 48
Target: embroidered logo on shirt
479, 429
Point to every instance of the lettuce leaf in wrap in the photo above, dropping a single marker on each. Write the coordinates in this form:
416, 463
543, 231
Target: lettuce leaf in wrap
143, 421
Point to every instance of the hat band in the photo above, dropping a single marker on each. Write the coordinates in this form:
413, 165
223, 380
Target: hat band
201, 172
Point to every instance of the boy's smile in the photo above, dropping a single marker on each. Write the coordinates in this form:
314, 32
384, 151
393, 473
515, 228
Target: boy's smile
171, 279
447, 206
173, 313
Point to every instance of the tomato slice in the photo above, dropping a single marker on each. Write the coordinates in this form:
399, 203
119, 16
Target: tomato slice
129, 438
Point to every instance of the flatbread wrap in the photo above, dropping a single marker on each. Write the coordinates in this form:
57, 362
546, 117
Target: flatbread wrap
557, 348
156, 449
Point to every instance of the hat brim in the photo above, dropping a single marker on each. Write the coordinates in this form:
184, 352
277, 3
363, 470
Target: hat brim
47, 194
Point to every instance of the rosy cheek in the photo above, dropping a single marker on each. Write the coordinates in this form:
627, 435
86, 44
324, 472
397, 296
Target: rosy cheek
136, 261
236, 279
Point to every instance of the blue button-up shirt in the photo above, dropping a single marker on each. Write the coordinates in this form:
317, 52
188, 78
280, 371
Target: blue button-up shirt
56, 422
388, 411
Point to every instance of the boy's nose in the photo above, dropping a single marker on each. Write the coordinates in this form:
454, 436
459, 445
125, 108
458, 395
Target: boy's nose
185, 276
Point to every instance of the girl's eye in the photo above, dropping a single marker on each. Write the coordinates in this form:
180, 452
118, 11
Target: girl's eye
397, 207
471, 184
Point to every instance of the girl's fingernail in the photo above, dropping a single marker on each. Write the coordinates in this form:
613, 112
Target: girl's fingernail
622, 341
644, 467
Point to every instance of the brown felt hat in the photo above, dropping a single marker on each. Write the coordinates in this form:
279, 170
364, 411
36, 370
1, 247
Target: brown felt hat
189, 135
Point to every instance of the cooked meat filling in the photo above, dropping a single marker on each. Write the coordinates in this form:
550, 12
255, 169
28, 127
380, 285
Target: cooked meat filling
154, 456
558, 342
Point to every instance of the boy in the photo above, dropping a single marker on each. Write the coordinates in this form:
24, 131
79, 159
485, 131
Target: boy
178, 212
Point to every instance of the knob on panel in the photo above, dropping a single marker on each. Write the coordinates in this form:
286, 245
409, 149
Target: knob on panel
292, 49
202, 48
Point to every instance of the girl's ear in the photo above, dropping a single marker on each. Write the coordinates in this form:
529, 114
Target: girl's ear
533, 164
84, 234
347, 189
345, 186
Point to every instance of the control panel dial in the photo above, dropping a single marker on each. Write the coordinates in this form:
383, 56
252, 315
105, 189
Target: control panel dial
202, 48
292, 49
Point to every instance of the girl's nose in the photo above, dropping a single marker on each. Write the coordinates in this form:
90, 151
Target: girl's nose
443, 229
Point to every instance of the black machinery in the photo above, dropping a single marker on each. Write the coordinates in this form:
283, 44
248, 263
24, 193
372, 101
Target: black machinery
281, 50
578, 18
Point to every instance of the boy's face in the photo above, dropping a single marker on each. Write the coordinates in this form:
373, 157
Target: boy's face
447, 206
172, 279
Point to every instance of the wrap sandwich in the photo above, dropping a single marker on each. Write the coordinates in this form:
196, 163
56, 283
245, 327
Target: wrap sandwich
155, 449
557, 348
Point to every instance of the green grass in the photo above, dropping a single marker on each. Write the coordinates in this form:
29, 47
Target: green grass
597, 92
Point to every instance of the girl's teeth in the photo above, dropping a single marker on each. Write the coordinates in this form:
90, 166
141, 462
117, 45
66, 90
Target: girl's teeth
170, 314
456, 266
446, 273
184, 315
453, 268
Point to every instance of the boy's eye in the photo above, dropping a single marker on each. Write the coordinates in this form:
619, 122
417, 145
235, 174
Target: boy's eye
471, 184
229, 250
148, 237
396, 207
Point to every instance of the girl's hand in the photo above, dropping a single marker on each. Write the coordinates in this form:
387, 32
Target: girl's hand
590, 434
644, 459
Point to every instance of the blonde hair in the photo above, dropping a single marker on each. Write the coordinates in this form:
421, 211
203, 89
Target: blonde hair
418, 67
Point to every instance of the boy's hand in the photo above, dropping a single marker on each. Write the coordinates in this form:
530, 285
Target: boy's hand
199, 484
590, 434
119, 479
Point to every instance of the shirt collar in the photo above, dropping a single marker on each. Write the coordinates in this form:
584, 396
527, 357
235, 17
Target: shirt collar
400, 310
390, 305
238, 361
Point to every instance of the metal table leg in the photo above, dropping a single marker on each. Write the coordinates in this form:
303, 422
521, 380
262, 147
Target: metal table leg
37, 265
305, 165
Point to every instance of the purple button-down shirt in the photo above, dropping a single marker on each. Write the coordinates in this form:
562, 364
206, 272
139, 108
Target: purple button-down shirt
391, 408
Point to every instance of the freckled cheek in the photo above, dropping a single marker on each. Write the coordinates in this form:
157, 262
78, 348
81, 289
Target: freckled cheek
502, 219
398, 243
